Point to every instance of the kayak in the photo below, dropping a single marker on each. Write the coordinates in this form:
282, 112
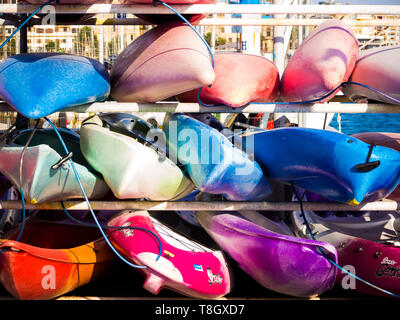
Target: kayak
333, 165
213, 163
374, 260
41, 181
184, 266
324, 60
239, 79
52, 259
51, 82
371, 225
385, 139
378, 69
163, 62
131, 168
277, 260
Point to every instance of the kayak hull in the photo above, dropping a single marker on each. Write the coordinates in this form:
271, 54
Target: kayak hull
320, 64
44, 95
281, 263
239, 79
378, 69
325, 163
213, 163
141, 173
194, 272
52, 259
164, 61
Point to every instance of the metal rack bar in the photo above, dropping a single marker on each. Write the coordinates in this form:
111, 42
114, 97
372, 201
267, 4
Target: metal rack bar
212, 9
226, 22
385, 205
329, 107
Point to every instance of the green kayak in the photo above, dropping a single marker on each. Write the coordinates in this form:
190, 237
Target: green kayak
131, 168
42, 181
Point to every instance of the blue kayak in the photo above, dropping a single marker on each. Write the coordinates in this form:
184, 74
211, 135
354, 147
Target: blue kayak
39, 84
213, 163
333, 165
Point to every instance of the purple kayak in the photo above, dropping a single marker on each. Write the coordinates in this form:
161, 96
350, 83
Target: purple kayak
379, 69
279, 262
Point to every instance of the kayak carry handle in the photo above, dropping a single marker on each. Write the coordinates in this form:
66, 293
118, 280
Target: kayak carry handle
62, 161
368, 166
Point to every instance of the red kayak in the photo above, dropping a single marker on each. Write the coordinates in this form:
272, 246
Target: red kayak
239, 79
163, 62
321, 63
385, 139
377, 68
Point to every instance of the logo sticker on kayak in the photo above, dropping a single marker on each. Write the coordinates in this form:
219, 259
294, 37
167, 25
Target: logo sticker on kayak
127, 232
387, 269
168, 254
213, 278
198, 267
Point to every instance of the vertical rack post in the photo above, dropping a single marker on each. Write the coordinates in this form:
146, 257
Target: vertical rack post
22, 122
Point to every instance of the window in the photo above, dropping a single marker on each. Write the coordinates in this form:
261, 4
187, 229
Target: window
39, 40
49, 30
39, 30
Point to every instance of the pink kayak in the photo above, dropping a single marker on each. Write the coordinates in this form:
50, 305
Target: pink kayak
385, 139
321, 63
377, 68
239, 79
163, 62
184, 265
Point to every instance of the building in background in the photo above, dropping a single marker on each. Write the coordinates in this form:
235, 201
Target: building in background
105, 42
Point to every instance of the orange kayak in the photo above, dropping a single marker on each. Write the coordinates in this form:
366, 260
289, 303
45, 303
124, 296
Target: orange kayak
52, 259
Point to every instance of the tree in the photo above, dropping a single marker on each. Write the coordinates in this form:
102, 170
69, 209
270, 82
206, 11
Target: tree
87, 42
50, 46
218, 41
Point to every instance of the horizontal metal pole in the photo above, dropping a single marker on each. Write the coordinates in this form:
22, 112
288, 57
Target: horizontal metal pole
294, 22
213, 9
386, 205
330, 107
230, 22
